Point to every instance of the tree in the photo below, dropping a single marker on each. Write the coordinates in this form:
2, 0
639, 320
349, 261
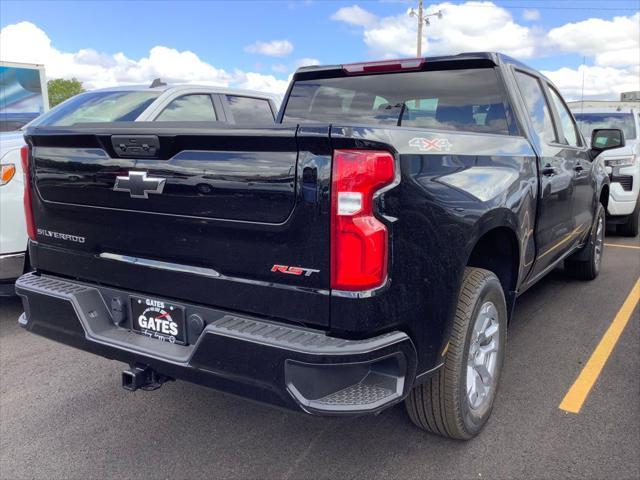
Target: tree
60, 89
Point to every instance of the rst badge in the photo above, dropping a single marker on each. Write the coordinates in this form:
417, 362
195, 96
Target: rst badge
139, 185
307, 272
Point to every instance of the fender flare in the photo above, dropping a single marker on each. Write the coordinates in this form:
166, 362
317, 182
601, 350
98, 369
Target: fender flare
501, 218
491, 220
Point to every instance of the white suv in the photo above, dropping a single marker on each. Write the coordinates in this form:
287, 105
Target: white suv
159, 102
623, 164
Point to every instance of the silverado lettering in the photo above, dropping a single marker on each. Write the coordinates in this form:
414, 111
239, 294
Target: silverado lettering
61, 236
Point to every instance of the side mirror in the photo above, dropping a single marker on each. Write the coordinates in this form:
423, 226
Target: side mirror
606, 139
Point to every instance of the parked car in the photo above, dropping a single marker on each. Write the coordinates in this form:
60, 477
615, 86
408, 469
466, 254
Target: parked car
416, 200
623, 165
13, 230
158, 103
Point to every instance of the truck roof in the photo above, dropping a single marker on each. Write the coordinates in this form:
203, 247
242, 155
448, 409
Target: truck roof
177, 88
476, 58
496, 58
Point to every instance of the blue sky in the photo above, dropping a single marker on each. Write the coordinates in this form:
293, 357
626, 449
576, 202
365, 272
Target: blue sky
219, 32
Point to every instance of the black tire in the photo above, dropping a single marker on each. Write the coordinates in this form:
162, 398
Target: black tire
441, 404
630, 229
585, 264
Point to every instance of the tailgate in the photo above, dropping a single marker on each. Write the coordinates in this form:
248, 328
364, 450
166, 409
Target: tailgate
189, 212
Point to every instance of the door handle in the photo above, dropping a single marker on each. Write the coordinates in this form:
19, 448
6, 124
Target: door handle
549, 170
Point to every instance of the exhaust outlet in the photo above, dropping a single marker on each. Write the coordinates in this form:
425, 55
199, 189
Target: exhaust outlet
142, 377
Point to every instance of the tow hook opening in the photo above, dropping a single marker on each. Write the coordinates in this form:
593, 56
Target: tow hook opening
142, 377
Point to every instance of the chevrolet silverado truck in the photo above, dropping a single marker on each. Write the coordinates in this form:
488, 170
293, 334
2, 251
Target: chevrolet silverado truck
367, 249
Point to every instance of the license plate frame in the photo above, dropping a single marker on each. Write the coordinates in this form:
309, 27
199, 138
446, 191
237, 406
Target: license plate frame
158, 319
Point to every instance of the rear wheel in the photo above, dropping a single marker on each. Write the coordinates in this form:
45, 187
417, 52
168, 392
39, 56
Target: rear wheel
630, 228
587, 266
457, 400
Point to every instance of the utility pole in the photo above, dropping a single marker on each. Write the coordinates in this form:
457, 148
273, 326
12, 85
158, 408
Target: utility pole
422, 20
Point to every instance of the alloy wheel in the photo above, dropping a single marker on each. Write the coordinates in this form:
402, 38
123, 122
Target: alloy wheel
482, 357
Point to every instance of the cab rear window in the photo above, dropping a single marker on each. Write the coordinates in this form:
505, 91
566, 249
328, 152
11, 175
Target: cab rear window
462, 100
92, 107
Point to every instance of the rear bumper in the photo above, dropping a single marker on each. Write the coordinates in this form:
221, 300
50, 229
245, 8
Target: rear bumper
285, 365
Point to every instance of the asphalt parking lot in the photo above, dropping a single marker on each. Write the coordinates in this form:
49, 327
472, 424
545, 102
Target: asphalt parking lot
64, 415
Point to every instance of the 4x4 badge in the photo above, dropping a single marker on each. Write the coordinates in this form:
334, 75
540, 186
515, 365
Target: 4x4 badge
431, 144
139, 185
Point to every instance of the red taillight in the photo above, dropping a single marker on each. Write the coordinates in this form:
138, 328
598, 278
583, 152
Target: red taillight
399, 65
359, 241
28, 210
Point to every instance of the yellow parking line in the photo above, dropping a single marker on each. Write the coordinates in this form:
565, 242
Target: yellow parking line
580, 389
620, 246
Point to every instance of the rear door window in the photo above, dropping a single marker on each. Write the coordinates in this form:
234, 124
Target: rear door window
568, 127
189, 108
247, 110
537, 106
470, 100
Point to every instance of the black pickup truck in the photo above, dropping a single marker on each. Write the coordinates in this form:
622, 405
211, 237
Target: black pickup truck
365, 250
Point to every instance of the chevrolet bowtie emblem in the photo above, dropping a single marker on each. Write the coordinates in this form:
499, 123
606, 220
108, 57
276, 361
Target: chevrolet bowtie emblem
139, 185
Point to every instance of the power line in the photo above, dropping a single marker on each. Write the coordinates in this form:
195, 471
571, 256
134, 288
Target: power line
527, 5
625, 6
576, 1
538, 7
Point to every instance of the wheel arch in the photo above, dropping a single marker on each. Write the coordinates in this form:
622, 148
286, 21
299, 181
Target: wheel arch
497, 248
604, 196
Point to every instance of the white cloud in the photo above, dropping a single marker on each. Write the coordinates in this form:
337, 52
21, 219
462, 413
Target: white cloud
306, 62
472, 26
25, 42
614, 45
531, 14
355, 15
604, 83
274, 48
260, 82
611, 42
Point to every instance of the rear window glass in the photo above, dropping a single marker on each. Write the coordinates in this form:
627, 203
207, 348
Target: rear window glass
189, 108
95, 107
250, 110
590, 121
465, 100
